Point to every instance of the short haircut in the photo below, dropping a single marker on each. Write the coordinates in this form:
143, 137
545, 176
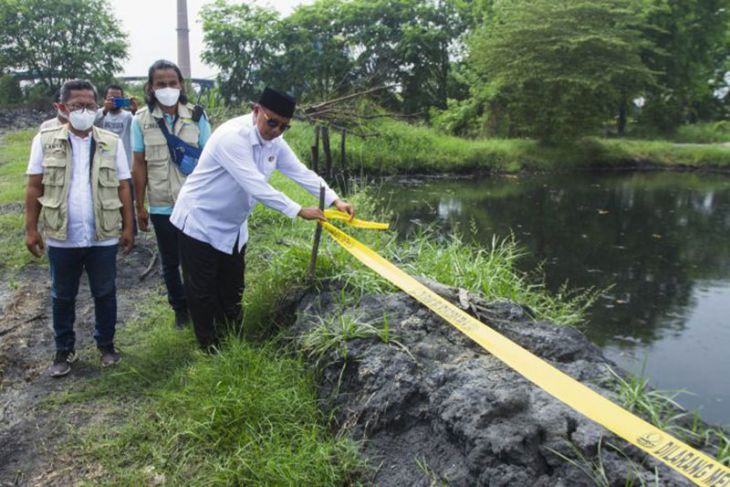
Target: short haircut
113, 87
75, 85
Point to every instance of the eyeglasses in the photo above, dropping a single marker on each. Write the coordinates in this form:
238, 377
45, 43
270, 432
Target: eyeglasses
74, 107
274, 123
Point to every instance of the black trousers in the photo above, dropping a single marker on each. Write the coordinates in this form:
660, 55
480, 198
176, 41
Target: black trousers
167, 236
214, 289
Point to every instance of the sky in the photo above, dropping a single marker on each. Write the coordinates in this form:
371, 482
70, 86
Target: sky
151, 27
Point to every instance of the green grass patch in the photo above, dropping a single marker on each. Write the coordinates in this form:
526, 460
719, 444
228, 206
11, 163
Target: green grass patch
13, 253
403, 148
245, 416
660, 408
13, 164
703, 133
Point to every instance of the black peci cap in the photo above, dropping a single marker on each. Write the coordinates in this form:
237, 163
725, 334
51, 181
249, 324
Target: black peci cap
278, 102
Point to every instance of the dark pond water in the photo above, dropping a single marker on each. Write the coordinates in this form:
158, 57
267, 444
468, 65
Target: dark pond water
661, 239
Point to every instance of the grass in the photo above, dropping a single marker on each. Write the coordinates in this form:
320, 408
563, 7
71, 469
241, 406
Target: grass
596, 471
403, 148
660, 409
13, 163
703, 133
246, 416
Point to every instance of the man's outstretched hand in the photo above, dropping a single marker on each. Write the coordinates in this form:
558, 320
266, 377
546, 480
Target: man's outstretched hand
345, 207
312, 214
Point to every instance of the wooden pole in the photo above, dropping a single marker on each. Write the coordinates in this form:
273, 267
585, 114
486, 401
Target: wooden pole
327, 154
315, 151
343, 159
317, 238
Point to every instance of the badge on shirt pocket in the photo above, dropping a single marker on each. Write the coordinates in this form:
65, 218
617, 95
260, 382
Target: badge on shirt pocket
271, 159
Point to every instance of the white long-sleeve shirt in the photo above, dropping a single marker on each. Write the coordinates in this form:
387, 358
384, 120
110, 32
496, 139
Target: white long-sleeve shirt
231, 177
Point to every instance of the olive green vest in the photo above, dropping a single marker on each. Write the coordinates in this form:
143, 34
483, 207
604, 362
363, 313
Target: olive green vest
164, 179
57, 161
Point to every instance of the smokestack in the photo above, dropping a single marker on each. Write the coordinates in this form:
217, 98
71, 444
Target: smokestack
183, 38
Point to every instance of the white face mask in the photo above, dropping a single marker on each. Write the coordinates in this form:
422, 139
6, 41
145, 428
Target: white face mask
82, 120
167, 96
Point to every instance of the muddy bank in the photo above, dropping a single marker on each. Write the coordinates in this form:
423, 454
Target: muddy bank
30, 429
439, 409
22, 118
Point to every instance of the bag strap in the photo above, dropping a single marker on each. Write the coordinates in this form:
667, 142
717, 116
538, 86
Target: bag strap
198, 112
168, 137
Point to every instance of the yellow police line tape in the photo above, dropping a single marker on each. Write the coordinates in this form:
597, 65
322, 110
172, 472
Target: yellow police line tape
693, 464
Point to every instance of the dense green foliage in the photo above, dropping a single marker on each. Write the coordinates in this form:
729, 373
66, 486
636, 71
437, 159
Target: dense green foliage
10, 92
60, 40
336, 46
693, 37
557, 68
548, 70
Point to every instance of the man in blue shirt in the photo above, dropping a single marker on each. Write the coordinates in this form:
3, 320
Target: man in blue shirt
154, 173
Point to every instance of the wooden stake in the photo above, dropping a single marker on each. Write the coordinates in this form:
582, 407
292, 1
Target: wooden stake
317, 238
343, 160
315, 151
327, 154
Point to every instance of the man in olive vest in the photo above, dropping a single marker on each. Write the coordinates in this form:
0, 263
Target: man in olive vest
157, 175
78, 189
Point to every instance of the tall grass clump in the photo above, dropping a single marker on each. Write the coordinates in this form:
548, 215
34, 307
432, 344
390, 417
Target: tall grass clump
660, 408
490, 271
246, 416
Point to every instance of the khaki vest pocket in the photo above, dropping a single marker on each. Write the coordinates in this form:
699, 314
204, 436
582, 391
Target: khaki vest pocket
108, 177
111, 217
51, 213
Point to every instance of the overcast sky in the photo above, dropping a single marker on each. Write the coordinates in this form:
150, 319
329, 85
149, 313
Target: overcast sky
151, 24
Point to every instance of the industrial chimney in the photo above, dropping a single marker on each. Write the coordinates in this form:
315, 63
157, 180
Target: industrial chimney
183, 38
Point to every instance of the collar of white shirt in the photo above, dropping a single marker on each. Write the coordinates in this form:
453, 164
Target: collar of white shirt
256, 138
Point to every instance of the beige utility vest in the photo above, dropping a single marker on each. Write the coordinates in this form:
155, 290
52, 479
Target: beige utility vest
57, 161
164, 179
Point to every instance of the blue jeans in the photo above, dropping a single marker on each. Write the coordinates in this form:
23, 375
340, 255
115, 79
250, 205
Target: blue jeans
167, 243
66, 266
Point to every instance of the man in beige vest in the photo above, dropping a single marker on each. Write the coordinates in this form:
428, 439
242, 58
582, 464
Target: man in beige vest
78, 188
156, 175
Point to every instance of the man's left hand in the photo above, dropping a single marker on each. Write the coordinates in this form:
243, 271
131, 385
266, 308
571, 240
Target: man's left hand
345, 207
132, 105
126, 241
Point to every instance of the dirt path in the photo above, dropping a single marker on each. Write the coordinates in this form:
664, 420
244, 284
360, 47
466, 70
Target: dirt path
30, 432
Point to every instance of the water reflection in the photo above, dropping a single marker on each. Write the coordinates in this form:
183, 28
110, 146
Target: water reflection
660, 241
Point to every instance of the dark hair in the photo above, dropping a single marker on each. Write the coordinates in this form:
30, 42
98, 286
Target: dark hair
112, 87
149, 93
75, 85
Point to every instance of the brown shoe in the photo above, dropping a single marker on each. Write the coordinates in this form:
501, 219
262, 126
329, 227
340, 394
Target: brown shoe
109, 356
62, 363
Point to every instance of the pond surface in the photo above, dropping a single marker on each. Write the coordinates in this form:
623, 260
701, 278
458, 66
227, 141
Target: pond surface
660, 241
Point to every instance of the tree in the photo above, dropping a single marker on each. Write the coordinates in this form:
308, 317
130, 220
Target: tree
693, 37
332, 47
60, 40
560, 67
242, 41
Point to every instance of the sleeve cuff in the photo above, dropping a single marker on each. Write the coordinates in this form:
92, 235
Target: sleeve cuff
292, 210
329, 197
